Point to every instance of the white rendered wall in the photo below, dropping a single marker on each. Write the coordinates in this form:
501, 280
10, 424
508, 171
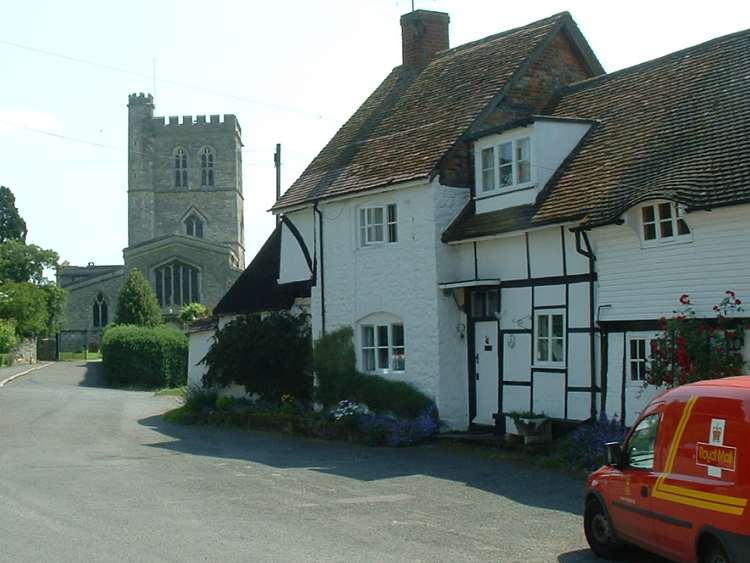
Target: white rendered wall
399, 279
293, 266
198, 345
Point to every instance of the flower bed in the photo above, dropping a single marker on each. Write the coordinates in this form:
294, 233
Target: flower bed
348, 421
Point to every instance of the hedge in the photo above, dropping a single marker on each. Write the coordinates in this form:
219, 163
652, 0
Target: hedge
338, 380
142, 356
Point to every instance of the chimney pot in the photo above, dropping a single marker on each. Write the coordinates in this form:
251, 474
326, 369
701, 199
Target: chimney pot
423, 33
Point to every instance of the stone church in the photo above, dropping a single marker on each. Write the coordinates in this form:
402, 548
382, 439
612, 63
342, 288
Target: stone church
185, 219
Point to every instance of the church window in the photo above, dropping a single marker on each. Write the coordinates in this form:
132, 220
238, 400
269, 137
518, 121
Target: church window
177, 284
207, 166
100, 312
194, 226
180, 168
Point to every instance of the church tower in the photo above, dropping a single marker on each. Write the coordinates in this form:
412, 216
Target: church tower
185, 203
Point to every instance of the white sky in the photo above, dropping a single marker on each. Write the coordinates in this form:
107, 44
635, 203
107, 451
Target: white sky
292, 71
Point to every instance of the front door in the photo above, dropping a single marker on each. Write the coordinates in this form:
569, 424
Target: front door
486, 371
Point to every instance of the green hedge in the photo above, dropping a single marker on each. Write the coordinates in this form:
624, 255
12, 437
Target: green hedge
141, 356
338, 380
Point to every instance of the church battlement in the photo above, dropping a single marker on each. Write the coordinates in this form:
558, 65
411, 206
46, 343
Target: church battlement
227, 121
140, 98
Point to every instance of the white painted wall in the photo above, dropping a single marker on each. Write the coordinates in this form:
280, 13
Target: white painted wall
646, 283
198, 345
400, 279
293, 265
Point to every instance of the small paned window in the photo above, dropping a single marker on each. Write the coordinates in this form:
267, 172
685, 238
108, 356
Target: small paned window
549, 338
378, 225
180, 168
661, 222
101, 317
642, 443
194, 226
383, 347
207, 167
177, 284
638, 357
484, 302
506, 165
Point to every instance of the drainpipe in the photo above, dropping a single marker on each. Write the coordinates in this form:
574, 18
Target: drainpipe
588, 252
322, 270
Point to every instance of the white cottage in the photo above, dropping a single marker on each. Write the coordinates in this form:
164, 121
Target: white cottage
494, 220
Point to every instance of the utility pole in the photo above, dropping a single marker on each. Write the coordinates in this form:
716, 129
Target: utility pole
277, 164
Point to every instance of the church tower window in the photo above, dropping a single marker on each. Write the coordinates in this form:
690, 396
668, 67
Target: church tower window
180, 168
194, 226
207, 166
177, 284
100, 311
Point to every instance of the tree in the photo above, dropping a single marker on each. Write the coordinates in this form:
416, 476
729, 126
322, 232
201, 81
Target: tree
21, 262
136, 302
12, 226
26, 303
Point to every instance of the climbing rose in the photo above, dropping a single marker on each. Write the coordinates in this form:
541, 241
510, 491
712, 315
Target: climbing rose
684, 299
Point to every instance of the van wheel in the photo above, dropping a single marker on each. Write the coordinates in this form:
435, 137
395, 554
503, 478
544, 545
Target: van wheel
715, 554
599, 531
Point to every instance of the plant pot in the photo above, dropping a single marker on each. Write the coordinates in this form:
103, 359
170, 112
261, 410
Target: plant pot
537, 430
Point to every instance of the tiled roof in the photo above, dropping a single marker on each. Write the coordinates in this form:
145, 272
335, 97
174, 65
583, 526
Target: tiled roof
257, 288
676, 127
415, 116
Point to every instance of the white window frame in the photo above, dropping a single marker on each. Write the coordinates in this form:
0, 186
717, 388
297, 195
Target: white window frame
646, 360
388, 226
674, 221
394, 353
537, 337
494, 146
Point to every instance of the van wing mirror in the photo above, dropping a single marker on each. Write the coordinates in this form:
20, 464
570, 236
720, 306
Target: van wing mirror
614, 453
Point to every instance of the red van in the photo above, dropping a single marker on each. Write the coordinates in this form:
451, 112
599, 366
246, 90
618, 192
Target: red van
680, 484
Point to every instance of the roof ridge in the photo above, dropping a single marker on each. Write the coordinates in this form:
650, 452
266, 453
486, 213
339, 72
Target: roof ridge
494, 36
583, 84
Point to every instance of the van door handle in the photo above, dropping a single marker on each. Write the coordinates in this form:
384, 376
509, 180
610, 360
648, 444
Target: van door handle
644, 491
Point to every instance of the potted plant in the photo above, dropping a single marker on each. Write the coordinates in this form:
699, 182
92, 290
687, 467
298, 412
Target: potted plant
533, 428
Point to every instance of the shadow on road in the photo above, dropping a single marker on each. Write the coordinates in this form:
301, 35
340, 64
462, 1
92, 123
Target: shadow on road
93, 375
629, 555
475, 468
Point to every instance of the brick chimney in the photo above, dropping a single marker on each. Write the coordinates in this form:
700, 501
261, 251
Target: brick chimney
423, 33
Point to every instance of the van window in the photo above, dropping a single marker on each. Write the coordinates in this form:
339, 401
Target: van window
642, 443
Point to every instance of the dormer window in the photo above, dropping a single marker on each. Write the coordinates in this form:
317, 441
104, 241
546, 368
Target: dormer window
180, 168
506, 165
661, 222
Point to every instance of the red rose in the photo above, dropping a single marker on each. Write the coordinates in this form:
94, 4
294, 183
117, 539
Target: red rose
716, 308
684, 299
730, 293
737, 302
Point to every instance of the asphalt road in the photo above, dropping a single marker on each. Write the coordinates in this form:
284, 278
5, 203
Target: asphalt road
93, 474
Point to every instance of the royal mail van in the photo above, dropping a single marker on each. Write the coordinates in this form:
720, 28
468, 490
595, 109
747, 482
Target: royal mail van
679, 485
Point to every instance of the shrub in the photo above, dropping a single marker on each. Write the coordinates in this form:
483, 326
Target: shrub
334, 363
151, 357
197, 398
7, 335
585, 448
338, 380
7, 360
193, 311
269, 355
136, 303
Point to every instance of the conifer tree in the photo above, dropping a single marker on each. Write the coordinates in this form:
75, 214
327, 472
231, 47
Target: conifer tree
136, 302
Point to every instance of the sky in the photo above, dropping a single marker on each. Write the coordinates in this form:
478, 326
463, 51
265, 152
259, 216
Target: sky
292, 71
